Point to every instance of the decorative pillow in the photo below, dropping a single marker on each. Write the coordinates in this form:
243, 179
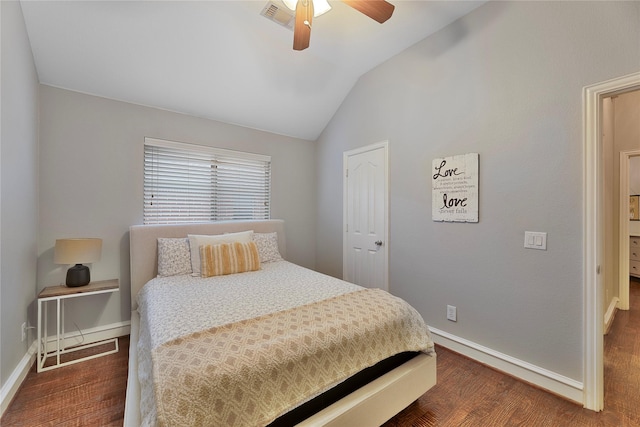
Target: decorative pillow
197, 240
174, 256
267, 246
228, 258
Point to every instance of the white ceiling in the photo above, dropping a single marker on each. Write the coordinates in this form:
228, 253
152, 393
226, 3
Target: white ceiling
221, 59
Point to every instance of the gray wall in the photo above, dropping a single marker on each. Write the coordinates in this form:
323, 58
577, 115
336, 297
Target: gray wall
19, 194
504, 81
91, 152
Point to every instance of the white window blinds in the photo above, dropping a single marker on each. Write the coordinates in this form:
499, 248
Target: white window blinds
193, 183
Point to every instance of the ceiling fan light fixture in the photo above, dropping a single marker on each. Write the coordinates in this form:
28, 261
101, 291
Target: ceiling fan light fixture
320, 7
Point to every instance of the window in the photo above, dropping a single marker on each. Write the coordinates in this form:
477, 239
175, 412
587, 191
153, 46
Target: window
194, 183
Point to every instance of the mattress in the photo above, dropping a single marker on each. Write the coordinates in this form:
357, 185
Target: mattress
182, 317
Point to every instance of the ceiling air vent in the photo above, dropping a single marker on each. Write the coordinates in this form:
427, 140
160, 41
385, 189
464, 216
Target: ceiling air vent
279, 14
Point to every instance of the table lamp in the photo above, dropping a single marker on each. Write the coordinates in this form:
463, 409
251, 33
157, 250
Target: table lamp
77, 251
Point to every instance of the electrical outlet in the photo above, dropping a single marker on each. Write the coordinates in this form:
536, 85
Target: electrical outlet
24, 331
452, 313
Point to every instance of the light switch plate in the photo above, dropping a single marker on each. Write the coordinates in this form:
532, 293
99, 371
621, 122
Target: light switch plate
452, 313
535, 240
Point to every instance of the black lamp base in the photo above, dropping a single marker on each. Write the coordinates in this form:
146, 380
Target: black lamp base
78, 275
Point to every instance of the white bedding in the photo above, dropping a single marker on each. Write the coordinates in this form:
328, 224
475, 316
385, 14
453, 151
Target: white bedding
205, 303
373, 404
200, 304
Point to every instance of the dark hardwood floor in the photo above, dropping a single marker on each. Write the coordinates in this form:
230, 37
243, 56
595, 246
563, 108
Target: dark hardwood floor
470, 394
92, 393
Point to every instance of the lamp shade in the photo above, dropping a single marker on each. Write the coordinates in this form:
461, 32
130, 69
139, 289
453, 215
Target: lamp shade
77, 251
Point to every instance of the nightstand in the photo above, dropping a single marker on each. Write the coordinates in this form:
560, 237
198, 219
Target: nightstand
59, 294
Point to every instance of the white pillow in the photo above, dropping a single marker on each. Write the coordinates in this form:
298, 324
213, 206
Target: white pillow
174, 256
267, 244
197, 240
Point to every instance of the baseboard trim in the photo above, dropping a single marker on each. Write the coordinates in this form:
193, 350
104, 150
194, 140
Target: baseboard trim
100, 333
540, 377
13, 383
610, 315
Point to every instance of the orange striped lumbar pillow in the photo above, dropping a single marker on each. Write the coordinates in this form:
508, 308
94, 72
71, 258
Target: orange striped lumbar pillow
228, 258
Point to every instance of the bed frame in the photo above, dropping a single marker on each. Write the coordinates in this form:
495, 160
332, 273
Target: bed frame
370, 405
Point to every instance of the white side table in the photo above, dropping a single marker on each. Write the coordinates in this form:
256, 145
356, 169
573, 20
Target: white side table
59, 294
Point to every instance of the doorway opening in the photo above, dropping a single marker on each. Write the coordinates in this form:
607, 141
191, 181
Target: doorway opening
593, 355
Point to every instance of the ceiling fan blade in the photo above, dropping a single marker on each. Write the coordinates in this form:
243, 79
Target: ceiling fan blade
302, 27
379, 10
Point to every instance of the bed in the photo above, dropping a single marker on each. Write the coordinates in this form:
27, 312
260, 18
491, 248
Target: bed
337, 397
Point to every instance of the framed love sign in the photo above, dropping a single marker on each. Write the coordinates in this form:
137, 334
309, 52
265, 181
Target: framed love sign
454, 183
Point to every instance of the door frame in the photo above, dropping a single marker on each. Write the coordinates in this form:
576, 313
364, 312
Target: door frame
345, 158
593, 347
623, 236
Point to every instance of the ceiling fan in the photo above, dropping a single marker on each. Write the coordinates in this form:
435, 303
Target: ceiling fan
306, 10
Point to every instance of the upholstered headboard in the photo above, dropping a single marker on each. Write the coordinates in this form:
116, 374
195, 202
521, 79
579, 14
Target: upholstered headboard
143, 244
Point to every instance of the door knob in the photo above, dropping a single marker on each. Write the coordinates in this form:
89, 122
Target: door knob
378, 242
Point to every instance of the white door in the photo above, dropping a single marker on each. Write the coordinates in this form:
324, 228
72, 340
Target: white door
365, 253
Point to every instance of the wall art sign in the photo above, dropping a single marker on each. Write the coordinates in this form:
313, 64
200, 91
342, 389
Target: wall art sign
454, 182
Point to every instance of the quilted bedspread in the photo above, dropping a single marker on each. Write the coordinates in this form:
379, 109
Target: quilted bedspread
252, 370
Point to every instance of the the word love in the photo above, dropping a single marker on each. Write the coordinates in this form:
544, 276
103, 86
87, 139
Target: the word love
447, 172
452, 202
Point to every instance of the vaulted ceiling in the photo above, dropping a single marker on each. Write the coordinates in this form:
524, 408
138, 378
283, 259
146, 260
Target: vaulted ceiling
222, 60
